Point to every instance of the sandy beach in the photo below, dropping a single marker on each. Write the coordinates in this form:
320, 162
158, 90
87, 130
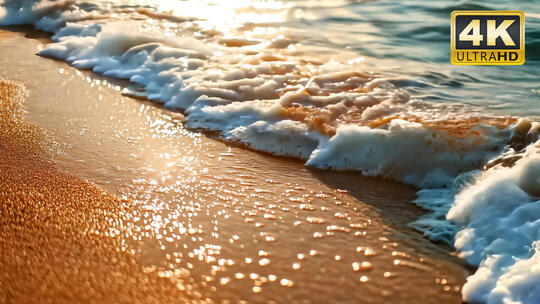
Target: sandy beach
81, 243
269, 151
56, 239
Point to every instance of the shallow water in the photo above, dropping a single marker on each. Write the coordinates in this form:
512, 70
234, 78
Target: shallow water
409, 40
230, 224
405, 40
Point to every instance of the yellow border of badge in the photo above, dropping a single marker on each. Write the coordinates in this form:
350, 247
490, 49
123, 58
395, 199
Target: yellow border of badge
490, 13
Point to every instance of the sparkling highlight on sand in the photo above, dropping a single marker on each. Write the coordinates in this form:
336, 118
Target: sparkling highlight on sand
55, 229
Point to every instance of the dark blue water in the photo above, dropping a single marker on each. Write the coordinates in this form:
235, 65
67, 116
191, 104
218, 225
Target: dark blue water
410, 41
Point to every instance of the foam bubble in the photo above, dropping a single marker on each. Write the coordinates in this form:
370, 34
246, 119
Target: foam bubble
499, 223
405, 151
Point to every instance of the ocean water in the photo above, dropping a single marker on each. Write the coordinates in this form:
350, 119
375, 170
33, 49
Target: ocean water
345, 85
225, 223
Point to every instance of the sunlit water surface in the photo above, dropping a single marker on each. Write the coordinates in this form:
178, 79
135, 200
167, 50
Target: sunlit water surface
407, 41
227, 224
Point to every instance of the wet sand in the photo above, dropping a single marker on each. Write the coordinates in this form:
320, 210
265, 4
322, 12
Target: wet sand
214, 220
55, 228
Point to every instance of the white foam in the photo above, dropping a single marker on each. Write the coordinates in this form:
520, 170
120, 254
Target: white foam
519, 283
284, 137
405, 151
497, 214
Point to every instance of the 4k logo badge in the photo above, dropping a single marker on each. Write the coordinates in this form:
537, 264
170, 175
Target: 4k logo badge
488, 37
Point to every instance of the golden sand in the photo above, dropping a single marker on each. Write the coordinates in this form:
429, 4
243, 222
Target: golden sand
4, 34
54, 227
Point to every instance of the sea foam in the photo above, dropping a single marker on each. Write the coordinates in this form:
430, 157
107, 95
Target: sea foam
499, 228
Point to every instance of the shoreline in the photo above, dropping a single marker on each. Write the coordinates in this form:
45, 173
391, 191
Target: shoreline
86, 155
238, 225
